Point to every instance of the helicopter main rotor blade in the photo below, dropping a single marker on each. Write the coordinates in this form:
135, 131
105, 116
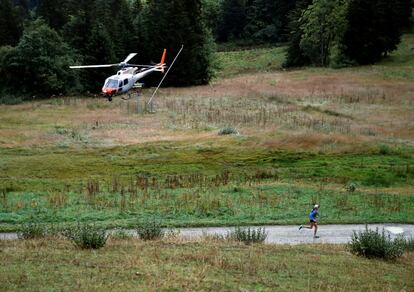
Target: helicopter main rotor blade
130, 56
94, 66
143, 66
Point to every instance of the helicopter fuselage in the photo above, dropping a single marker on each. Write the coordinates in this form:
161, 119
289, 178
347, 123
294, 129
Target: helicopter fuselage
125, 79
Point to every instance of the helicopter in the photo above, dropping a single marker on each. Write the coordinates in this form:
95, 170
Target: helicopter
128, 74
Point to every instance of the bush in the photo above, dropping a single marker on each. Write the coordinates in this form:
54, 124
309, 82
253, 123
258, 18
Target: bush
87, 236
248, 235
150, 230
384, 149
372, 244
32, 230
10, 99
409, 244
351, 187
228, 131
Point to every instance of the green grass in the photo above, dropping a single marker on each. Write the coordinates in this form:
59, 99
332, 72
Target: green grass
199, 186
206, 265
42, 169
399, 64
250, 61
233, 204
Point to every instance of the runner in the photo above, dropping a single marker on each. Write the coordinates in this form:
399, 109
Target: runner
313, 222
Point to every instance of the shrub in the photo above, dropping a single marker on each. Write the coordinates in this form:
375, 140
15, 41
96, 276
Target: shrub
87, 236
384, 149
409, 244
351, 187
373, 244
150, 230
10, 99
248, 235
228, 131
32, 230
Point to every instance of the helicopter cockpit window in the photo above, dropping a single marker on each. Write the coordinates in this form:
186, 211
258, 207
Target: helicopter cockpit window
125, 81
112, 83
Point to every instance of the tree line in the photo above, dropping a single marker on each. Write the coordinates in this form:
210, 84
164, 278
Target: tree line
39, 39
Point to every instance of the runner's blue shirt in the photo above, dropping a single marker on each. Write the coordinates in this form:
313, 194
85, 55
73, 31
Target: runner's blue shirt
313, 214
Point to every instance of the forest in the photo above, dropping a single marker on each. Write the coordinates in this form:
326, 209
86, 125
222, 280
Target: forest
40, 39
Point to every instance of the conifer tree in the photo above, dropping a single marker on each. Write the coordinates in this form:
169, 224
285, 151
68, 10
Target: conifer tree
374, 29
233, 20
267, 19
172, 23
53, 12
11, 24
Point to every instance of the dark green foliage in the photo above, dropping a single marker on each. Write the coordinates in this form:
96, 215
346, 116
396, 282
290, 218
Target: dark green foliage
39, 64
11, 24
115, 17
233, 20
267, 20
374, 28
87, 236
180, 23
212, 13
31, 230
324, 24
338, 32
150, 230
295, 55
248, 235
53, 12
373, 244
10, 99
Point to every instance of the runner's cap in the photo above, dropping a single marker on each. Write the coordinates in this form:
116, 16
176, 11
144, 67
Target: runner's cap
316, 206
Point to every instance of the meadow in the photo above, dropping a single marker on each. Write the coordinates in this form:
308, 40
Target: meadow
183, 265
339, 137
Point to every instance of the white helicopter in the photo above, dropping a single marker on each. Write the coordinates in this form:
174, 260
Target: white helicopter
128, 75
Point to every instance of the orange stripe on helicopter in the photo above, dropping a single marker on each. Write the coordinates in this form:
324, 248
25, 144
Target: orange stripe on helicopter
163, 60
163, 57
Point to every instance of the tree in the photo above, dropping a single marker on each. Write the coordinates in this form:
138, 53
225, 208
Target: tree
99, 49
374, 28
40, 63
11, 24
115, 15
295, 55
211, 13
53, 12
180, 22
323, 26
233, 20
267, 20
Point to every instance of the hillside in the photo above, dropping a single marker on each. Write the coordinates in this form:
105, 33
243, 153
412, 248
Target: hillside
303, 136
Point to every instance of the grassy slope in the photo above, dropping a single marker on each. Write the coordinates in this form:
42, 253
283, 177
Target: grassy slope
171, 265
50, 150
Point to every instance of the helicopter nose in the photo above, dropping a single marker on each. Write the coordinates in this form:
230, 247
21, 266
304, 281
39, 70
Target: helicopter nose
108, 91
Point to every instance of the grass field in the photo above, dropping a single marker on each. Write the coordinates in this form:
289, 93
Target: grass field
304, 135
174, 264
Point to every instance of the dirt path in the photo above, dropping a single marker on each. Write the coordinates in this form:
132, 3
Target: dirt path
289, 234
